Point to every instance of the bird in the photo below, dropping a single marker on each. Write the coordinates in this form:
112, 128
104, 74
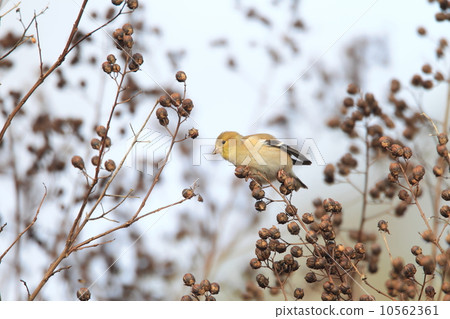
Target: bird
262, 154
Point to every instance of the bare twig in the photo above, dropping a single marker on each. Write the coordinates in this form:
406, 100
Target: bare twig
26, 287
28, 227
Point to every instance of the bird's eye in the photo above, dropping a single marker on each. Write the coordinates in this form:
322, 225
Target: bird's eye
223, 142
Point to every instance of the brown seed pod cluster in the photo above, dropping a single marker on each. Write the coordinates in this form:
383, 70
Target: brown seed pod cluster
205, 288
183, 106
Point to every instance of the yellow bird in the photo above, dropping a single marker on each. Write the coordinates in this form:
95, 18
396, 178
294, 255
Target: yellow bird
262, 153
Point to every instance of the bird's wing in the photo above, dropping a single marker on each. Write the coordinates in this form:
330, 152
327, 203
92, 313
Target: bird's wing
296, 156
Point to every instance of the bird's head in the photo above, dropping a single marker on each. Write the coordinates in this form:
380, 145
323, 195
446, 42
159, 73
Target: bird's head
226, 144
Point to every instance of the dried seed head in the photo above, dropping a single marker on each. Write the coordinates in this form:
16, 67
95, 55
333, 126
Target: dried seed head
311, 237
395, 169
438, 171
352, 89
78, 162
165, 101
349, 102
111, 58
262, 280
383, 226
442, 151
161, 113
187, 298
291, 210
427, 84
396, 150
310, 277
445, 194
110, 165
205, 284
296, 251
307, 218
430, 292
132, 4
197, 290
299, 293
438, 76
385, 141
282, 218
255, 263
428, 235
107, 67
175, 99
116, 68
428, 265
416, 250
258, 193
189, 279
274, 232
416, 80
260, 206
264, 233
181, 76
403, 194
446, 287
426, 68
293, 228
407, 153
96, 143
215, 288
188, 193
421, 31
127, 29
359, 248
193, 133
116, 2
83, 294
442, 138
95, 160
138, 58
445, 211
107, 142
418, 172
100, 130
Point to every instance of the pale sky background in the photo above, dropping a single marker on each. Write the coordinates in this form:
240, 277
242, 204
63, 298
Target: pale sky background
242, 100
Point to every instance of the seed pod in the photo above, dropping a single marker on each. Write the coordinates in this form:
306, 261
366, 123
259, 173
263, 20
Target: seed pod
385, 141
110, 165
260, 206
445, 194
438, 171
299, 293
165, 101
442, 150
189, 279
215, 288
83, 294
262, 280
264, 233
116, 2
188, 193
100, 130
116, 68
255, 263
187, 298
161, 113
310, 277
95, 160
443, 138
416, 250
132, 4
274, 232
307, 218
418, 172
352, 89
193, 133
181, 76
78, 162
282, 218
138, 58
175, 99
445, 211
293, 228
396, 150
383, 226
197, 290
107, 67
329, 173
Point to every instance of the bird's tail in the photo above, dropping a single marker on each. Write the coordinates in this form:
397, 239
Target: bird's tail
298, 183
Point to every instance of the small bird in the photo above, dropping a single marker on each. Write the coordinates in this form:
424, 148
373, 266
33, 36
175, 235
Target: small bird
262, 153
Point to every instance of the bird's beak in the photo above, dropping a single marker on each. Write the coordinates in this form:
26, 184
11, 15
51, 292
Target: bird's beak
216, 151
